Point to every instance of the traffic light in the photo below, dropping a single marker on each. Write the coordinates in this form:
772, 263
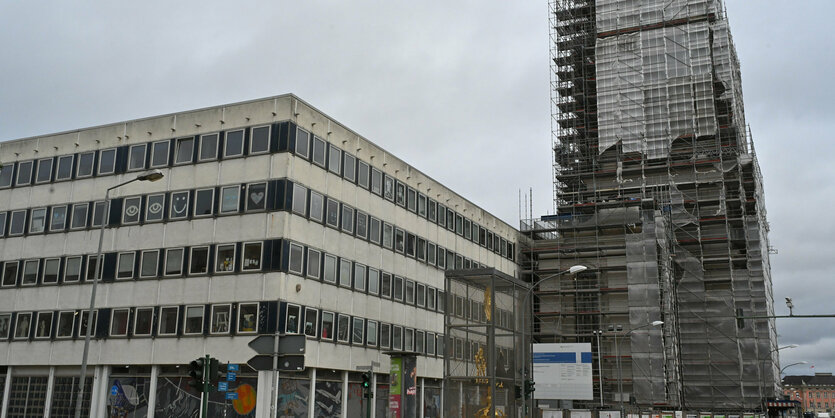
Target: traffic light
366, 385
196, 370
518, 391
529, 388
215, 375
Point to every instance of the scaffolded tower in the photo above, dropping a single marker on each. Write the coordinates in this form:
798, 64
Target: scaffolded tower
658, 191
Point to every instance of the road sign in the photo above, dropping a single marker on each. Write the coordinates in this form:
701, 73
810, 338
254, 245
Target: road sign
222, 386
233, 368
114, 390
261, 362
231, 376
287, 344
232, 395
291, 363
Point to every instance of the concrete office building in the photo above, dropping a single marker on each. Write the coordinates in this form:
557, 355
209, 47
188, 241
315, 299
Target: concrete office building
658, 191
271, 216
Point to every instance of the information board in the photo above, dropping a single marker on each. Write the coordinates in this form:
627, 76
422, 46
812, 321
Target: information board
563, 371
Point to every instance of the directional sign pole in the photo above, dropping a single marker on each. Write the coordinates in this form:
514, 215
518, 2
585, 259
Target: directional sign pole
274, 391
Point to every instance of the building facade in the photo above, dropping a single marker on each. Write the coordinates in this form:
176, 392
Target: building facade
816, 393
271, 217
658, 191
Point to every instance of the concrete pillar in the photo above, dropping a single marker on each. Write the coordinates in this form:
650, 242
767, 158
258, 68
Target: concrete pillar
311, 397
152, 391
50, 384
7, 391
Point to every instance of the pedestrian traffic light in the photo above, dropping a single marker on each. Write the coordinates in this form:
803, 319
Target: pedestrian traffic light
529, 388
196, 370
215, 375
366, 385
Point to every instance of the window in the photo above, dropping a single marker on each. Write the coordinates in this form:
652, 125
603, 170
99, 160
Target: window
388, 238
335, 160
124, 270
302, 143
358, 334
430, 298
410, 245
185, 150
421, 209
22, 326
50, 270
359, 277
362, 225
85, 164
441, 258
3, 216
376, 182
79, 216
179, 205
37, 224
44, 170
24, 173
119, 322
388, 188
467, 226
225, 258
173, 262
168, 320
430, 253
399, 238
296, 258
371, 333
83, 320
385, 336
419, 338
154, 207
433, 210
333, 213
256, 196
252, 256
6, 173
208, 147
30, 272
450, 220
299, 199
430, 343
293, 319
259, 139
327, 325
92, 265
136, 157
199, 260
311, 320
159, 153
220, 319
194, 320
203, 202
421, 295
330, 269
400, 194
314, 259
349, 168
72, 269
98, 214
319, 151
43, 327
148, 264
65, 328
362, 174
397, 338
132, 207
342, 328
229, 199
410, 292
398, 288
344, 273
348, 219
441, 215
234, 144
374, 230
373, 281
143, 318
385, 287
317, 206
411, 199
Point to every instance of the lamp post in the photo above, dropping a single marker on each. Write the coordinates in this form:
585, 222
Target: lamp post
529, 345
762, 386
793, 364
153, 175
617, 357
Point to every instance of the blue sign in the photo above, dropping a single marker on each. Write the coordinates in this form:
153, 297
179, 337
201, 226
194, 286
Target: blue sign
231, 376
233, 368
114, 390
232, 395
222, 386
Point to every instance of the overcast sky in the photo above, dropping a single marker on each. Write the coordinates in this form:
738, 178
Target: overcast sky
457, 89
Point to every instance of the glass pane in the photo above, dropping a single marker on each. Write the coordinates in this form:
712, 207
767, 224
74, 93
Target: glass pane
24, 173
319, 149
225, 258
168, 320
149, 263
85, 164
64, 167
260, 140
335, 160
38, 222
203, 202
174, 262
234, 143
125, 268
50, 270
256, 196
302, 142
44, 171
208, 147
79, 216
107, 161
179, 205
136, 160
194, 319
220, 319
132, 209
247, 317
154, 207
230, 196
199, 260
252, 256
185, 150
310, 320
159, 154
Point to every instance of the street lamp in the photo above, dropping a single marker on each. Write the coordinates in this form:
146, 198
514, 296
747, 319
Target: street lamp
153, 175
617, 358
529, 346
793, 364
762, 378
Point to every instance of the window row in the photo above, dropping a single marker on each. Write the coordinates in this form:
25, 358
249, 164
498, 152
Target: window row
328, 268
226, 258
159, 321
